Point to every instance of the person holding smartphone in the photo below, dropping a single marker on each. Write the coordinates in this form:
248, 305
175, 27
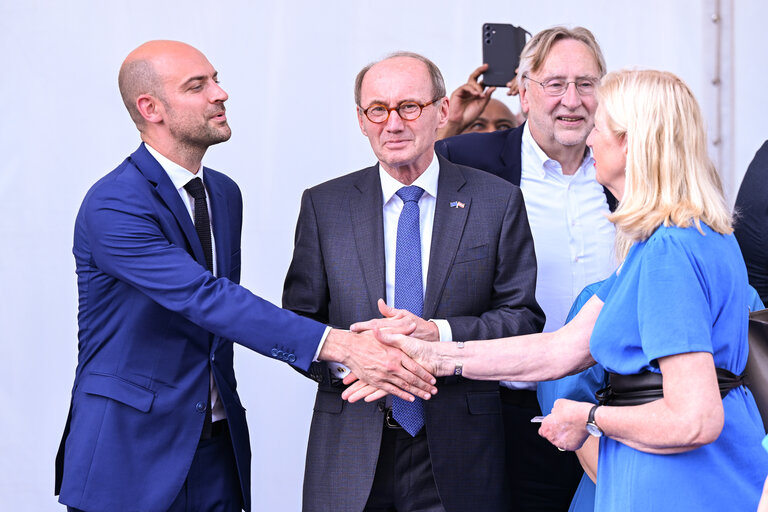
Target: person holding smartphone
548, 158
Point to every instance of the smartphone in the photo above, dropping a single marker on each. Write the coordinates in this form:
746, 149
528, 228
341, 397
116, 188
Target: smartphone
502, 44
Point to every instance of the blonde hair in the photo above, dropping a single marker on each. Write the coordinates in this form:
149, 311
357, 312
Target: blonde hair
670, 178
537, 50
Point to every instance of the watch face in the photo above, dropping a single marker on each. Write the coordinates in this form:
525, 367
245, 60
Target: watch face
594, 430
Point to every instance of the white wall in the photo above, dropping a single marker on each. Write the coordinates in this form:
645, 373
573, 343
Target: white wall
63, 126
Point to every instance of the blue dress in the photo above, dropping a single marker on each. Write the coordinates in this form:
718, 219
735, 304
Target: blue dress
680, 292
580, 387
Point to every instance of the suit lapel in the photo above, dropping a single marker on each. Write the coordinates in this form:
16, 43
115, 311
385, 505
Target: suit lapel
155, 174
512, 157
447, 230
365, 207
220, 221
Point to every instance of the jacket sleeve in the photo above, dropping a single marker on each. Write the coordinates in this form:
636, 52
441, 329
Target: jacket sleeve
124, 230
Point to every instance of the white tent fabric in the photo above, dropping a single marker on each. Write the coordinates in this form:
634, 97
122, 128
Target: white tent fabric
289, 69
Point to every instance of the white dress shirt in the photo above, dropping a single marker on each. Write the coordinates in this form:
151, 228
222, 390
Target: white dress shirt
180, 177
573, 239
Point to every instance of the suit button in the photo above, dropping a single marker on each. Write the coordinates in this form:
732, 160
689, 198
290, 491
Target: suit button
200, 406
213, 357
380, 406
291, 358
274, 352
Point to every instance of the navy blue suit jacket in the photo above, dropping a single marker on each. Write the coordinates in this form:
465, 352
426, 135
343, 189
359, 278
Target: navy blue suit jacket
498, 153
751, 226
153, 324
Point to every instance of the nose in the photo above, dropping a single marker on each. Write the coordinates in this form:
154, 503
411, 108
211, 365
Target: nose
394, 123
589, 137
218, 94
571, 98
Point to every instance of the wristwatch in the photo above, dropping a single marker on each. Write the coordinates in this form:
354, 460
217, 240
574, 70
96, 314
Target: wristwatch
592, 427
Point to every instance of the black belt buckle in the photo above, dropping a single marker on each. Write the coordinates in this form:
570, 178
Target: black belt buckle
390, 420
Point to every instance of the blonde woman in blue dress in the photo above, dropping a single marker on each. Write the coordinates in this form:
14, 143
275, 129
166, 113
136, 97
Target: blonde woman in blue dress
677, 307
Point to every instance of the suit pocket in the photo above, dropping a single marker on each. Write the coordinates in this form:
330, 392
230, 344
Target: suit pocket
328, 402
484, 402
119, 389
473, 253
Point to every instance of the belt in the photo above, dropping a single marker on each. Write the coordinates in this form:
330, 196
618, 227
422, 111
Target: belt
641, 388
217, 429
519, 397
390, 421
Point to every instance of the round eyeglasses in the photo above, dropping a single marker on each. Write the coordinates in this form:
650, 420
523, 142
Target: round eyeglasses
559, 86
407, 110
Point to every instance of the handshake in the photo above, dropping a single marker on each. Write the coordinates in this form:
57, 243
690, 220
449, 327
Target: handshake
389, 355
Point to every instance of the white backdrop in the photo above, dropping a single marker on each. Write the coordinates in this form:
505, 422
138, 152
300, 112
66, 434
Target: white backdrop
289, 69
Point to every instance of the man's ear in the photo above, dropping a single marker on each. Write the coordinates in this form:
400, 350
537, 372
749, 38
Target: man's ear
150, 108
361, 121
524, 107
444, 108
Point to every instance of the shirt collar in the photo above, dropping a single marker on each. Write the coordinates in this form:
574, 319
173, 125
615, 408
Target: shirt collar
427, 181
538, 159
179, 175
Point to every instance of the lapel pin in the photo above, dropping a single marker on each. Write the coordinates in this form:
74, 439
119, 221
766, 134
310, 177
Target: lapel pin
457, 204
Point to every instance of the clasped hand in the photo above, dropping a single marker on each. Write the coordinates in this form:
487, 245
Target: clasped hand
397, 330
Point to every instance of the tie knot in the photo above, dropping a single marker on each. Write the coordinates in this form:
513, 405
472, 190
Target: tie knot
412, 193
196, 188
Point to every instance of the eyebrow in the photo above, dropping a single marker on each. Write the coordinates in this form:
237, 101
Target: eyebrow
199, 78
382, 102
563, 77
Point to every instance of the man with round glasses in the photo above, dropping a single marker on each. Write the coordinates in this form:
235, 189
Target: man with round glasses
450, 248
560, 69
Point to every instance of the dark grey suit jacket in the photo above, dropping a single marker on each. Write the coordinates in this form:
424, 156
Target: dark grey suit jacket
481, 279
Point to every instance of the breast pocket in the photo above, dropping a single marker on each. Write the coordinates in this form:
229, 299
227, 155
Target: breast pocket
471, 254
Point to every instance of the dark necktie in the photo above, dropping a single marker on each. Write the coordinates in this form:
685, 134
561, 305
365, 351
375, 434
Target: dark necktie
409, 291
202, 221
196, 189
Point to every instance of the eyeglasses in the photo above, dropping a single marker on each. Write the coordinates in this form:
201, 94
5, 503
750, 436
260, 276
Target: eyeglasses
558, 86
407, 110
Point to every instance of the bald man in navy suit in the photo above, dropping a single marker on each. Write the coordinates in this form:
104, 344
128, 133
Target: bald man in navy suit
155, 421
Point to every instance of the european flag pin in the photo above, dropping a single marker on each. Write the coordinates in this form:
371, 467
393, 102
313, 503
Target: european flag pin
457, 204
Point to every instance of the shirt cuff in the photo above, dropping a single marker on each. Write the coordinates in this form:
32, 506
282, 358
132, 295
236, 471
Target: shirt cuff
338, 370
444, 329
320, 345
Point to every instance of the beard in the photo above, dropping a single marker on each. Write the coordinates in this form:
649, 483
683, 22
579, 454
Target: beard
190, 131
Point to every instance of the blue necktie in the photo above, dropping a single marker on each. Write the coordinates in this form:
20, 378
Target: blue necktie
409, 292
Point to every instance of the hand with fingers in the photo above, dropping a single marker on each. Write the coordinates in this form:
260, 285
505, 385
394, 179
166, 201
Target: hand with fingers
565, 426
466, 104
380, 365
513, 87
399, 321
423, 354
